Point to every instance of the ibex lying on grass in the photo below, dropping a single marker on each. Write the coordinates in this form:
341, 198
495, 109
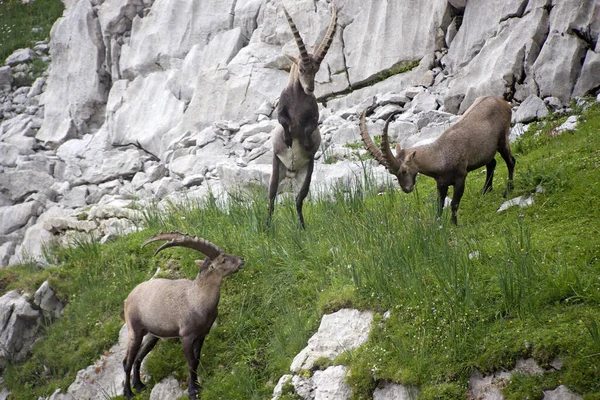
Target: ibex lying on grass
297, 140
163, 308
470, 143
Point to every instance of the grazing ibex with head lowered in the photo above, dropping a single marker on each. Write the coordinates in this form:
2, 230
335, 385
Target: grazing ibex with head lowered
470, 143
163, 308
297, 140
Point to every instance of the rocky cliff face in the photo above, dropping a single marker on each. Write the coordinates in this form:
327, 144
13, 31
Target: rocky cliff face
146, 99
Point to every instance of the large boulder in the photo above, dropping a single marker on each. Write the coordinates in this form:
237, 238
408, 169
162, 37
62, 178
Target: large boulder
341, 331
499, 61
19, 326
407, 30
77, 85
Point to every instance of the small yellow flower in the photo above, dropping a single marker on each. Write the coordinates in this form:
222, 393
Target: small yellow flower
510, 322
522, 250
550, 320
560, 381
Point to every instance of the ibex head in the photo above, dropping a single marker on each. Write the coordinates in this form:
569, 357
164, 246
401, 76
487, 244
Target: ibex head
308, 64
402, 165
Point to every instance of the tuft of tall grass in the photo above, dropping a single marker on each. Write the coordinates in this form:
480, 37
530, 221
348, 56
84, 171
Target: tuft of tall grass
21, 25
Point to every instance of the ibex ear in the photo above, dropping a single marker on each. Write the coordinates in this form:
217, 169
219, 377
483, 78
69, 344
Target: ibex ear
398, 148
293, 59
412, 155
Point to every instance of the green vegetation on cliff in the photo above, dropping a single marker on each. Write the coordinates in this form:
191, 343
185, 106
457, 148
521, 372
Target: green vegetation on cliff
478, 296
21, 25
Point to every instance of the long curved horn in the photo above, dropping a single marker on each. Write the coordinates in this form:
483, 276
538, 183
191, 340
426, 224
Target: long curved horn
209, 249
375, 152
324, 46
392, 162
299, 41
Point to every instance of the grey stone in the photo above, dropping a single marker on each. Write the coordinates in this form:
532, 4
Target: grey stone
420, 24
233, 177
393, 98
45, 298
6, 78
8, 154
17, 216
331, 384
36, 88
569, 125
589, 79
424, 101
520, 201
105, 377
19, 326
391, 391
192, 180
76, 39
19, 56
338, 332
385, 111
7, 249
18, 184
561, 393
167, 389
533, 108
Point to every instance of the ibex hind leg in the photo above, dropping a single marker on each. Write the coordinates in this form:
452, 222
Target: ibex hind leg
133, 345
273, 186
304, 191
489, 169
146, 348
510, 164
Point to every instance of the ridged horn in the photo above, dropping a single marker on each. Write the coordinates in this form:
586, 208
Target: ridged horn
299, 41
392, 162
324, 46
366, 138
209, 249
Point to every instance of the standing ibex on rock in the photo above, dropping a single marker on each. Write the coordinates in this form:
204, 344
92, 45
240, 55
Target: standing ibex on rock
163, 308
297, 140
470, 143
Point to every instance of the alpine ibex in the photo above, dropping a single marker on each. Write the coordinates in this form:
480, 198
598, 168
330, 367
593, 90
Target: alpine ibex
297, 140
163, 308
470, 143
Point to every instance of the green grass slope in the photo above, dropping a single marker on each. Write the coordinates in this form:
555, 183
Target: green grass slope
531, 287
21, 25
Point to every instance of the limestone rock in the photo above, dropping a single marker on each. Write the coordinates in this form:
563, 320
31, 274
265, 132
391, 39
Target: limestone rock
19, 56
167, 389
18, 184
520, 201
590, 74
74, 95
409, 41
533, 108
390, 391
561, 393
15, 217
5, 78
341, 331
46, 300
19, 326
233, 177
146, 122
103, 378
